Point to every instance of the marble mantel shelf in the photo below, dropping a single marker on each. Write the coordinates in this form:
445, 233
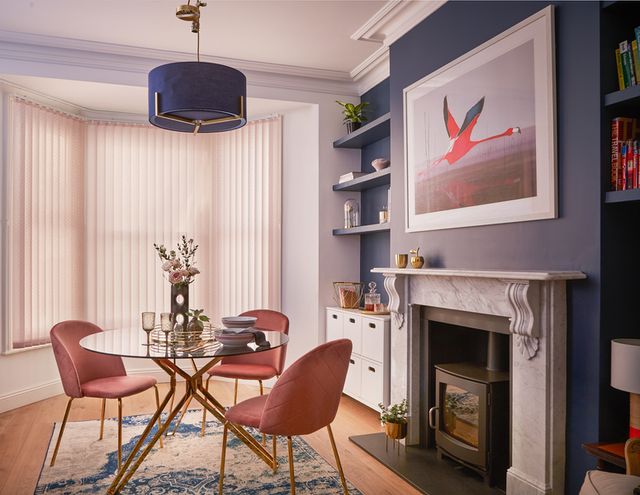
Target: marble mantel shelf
534, 302
499, 274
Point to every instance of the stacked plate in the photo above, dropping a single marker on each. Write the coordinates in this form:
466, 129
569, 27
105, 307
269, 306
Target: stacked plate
236, 332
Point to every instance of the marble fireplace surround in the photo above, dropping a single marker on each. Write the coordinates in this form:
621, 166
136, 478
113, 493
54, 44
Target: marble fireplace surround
535, 304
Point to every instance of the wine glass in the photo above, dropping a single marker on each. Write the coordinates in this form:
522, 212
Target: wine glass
148, 322
166, 324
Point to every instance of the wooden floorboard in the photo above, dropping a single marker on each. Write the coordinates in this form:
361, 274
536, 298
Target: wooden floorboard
25, 434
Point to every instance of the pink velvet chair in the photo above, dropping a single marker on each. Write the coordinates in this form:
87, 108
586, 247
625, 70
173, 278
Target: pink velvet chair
304, 399
260, 366
88, 374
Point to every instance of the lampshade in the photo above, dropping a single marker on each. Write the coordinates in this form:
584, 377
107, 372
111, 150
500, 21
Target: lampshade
197, 97
625, 365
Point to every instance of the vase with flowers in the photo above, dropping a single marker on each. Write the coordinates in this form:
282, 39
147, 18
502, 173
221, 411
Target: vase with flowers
394, 420
178, 267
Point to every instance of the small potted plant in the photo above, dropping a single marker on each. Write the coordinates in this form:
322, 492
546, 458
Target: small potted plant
196, 324
353, 114
394, 419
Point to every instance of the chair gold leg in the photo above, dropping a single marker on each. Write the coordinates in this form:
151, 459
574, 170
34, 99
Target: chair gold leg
292, 478
119, 433
264, 437
64, 423
104, 406
275, 458
222, 458
204, 409
338, 463
155, 388
235, 393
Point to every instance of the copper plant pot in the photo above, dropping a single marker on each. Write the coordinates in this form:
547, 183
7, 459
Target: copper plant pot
397, 431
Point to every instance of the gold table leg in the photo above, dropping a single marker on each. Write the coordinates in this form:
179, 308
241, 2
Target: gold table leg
194, 389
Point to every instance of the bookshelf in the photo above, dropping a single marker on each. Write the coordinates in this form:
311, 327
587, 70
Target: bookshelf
364, 229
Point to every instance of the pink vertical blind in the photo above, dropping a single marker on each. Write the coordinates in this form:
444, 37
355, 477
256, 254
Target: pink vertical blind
136, 185
45, 229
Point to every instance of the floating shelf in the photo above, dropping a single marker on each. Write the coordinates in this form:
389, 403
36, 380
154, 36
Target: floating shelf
374, 179
622, 196
364, 229
367, 134
629, 95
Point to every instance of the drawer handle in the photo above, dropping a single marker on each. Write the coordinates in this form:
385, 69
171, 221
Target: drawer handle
352, 361
352, 320
372, 369
372, 325
335, 317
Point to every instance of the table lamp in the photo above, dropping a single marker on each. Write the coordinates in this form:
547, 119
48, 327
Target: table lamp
625, 375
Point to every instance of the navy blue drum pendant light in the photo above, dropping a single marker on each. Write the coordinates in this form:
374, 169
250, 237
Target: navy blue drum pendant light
197, 96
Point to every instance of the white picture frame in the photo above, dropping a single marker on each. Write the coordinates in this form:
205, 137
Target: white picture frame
494, 177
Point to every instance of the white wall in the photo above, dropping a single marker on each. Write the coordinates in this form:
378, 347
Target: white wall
312, 257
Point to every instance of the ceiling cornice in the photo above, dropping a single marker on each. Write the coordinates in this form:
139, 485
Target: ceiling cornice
34, 48
387, 25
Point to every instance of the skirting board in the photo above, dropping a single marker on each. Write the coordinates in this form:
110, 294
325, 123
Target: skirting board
52, 388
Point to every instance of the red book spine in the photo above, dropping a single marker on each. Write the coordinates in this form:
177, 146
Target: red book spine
635, 164
629, 162
615, 156
622, 182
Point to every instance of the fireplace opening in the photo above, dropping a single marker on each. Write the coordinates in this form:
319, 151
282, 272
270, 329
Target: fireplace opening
466, 388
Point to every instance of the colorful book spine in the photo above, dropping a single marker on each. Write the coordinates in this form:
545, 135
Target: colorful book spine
620, 72
627, 66
635, 164
622, 128
636, 60
623, 165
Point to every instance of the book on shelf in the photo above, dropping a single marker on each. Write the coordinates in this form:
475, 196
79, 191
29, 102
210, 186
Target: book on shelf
623, 129
350, 176
619, 67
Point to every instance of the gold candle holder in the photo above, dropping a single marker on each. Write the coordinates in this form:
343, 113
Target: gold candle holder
401, 260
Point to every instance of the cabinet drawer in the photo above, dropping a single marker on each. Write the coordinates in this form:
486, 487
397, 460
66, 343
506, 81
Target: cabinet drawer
352, 331
372, 382
353, 383
334, 325
373, 332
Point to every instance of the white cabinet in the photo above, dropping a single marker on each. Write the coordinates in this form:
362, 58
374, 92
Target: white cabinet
368, 375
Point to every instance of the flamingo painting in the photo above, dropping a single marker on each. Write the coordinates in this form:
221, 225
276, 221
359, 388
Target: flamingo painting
460, 142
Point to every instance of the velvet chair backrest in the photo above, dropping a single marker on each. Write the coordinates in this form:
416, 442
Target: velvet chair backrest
77, 365
267, 320
306, 397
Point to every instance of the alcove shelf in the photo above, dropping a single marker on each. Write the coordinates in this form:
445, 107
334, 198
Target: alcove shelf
622, 196
374, 179
369, 133
628, 97
363, 229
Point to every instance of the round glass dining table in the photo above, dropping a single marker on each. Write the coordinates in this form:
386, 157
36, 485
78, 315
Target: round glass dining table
178, 358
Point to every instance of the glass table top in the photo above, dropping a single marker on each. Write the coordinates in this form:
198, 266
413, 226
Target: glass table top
132, 342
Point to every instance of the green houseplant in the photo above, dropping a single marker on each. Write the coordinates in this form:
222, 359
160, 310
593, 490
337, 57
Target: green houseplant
196, 325
353, 114
394, 419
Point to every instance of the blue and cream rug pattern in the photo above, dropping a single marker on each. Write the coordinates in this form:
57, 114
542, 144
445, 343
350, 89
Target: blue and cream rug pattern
188, 463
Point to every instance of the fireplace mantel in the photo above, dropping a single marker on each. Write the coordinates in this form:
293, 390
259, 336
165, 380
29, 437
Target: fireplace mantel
535, 304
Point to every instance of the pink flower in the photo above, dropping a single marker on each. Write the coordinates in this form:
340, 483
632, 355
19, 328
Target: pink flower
193, 270
167, 265
185, 273
176, 277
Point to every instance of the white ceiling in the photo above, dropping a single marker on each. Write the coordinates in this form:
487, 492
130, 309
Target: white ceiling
304, 33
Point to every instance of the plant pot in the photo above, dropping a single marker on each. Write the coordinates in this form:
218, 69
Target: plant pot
352, 126
397, 431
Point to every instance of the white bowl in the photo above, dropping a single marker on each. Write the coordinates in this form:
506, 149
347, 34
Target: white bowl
235, 339
380, 163
239, 321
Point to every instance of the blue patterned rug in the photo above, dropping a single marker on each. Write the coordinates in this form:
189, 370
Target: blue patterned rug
188, 463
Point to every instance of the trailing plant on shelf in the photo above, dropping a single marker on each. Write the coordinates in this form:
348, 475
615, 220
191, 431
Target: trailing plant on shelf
394, 419
353, 114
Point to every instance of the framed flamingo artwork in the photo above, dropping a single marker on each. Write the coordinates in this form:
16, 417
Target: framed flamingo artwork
480, 134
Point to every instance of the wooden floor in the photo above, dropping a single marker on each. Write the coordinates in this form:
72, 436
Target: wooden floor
25, 433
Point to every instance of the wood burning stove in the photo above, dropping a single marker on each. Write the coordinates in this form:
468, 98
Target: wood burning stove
471, 418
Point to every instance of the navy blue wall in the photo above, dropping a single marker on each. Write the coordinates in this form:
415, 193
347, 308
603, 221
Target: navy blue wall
572, 241
374, 248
